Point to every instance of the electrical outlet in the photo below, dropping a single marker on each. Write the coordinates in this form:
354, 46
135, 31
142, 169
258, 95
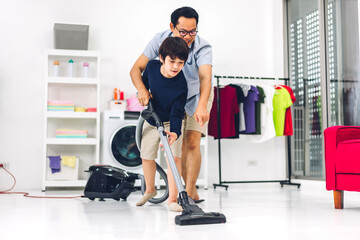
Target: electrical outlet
5, 164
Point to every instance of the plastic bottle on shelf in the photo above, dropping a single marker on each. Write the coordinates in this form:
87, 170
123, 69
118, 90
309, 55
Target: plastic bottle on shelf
56, 68
86, 69
71, 68
121, 95
115, 94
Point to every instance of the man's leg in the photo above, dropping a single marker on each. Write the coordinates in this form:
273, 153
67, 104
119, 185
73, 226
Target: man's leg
183, 158
191, 161
191, 155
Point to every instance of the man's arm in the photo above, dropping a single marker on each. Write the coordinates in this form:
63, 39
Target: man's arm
135, 74
201, 113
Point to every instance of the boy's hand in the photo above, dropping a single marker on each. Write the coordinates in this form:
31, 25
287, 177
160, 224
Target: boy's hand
171, 139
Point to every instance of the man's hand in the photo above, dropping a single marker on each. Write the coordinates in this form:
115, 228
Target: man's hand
143, 97
201, 115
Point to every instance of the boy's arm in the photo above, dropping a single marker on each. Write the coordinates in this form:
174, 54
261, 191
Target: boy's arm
177, 113
135, 74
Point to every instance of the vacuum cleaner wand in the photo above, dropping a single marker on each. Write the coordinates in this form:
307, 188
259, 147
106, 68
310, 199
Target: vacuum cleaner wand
192, 214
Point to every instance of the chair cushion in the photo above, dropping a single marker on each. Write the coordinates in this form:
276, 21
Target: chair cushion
348, 182
348, 157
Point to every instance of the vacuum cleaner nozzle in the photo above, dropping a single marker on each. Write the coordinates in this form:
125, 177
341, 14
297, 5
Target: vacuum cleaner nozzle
204, 218
193, 214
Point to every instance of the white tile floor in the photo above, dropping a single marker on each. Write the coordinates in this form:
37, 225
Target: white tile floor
253, 211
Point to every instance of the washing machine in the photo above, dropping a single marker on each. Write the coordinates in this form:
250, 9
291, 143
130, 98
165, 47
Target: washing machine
118, 145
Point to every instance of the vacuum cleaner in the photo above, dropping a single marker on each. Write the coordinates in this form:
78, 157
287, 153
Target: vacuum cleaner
191, 214
107, 181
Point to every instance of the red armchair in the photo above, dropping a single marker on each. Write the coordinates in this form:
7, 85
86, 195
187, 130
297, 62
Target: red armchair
342, 161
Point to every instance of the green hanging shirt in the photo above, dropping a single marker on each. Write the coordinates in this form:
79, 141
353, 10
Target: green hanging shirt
281, 102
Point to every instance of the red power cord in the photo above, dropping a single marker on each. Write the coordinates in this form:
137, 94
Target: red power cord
25, 193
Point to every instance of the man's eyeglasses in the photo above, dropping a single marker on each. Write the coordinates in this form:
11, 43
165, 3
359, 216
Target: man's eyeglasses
183, 33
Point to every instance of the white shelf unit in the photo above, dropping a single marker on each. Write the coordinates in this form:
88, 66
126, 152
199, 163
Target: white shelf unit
84, 92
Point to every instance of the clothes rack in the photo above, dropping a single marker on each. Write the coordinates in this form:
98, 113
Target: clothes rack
221, 182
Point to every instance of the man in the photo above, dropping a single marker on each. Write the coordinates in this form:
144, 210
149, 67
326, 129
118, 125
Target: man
197, 71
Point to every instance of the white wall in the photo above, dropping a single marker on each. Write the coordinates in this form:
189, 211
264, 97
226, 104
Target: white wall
246, 37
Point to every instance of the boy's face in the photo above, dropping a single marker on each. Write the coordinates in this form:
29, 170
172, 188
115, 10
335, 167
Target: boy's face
171, 67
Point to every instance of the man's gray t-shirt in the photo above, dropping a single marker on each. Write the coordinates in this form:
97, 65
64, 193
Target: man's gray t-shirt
200, 53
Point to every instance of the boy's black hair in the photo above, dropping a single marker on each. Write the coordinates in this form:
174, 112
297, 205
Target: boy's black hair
174, 47
186, 12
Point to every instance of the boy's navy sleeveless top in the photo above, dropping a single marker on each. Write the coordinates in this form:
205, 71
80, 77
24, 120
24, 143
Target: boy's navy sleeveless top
169, 95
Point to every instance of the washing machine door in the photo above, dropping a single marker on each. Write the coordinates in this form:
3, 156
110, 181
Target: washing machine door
123, 146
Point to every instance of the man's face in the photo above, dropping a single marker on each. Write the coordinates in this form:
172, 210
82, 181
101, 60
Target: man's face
184, 29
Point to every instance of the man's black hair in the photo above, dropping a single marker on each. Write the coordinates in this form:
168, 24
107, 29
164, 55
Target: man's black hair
186, 12
174, 47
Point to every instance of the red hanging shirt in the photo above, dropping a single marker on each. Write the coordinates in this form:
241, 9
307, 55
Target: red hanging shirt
229, 106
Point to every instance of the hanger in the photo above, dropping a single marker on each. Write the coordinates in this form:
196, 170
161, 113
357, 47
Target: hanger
277, 84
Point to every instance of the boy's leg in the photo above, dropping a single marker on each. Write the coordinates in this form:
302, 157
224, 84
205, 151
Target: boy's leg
149, 146
149, 168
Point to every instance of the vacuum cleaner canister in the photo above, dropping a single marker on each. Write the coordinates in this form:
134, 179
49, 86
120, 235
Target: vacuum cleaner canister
109, 182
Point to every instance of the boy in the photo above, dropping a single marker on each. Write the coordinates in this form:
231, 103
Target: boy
168, 87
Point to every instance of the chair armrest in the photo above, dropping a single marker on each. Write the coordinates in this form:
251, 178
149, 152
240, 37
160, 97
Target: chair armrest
332, 136
347, 133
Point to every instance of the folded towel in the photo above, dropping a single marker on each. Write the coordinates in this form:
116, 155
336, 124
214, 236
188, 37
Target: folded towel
70, 136
91, 110
68, 161
60, 102
70, 131
54, 163
59, 110
80, 109
61, 107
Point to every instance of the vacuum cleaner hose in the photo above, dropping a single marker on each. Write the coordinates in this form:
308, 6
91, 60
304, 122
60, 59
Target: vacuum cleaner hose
138, 132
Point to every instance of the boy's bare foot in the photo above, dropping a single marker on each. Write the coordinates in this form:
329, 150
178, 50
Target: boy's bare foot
146, 197
174, 207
